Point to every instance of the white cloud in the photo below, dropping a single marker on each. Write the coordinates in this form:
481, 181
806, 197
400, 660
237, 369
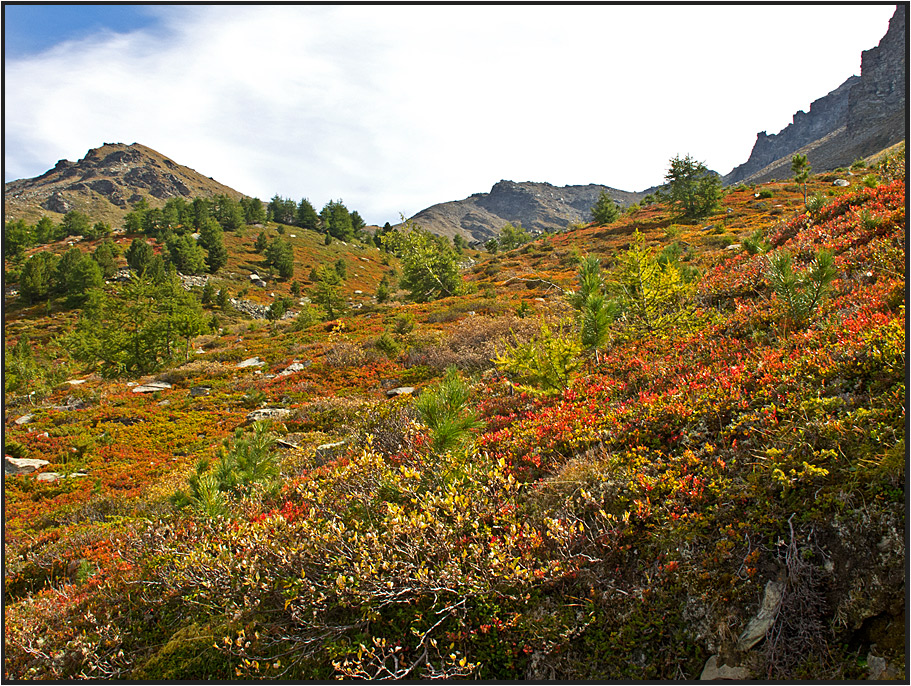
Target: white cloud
394, 108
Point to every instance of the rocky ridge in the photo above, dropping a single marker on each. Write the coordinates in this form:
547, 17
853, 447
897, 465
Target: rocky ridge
537, 207
862, 116
106, 183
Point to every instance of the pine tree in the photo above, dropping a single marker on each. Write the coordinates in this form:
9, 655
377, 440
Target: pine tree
138, 255
800, 167
429, 267
327, 291
37, 278
693, 189
654, 298
307, 218
605, 210
211, 237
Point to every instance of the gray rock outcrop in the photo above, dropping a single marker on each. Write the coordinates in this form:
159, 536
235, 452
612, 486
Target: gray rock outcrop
862, 116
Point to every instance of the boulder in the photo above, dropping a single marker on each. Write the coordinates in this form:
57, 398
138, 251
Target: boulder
713, 671
401, 390
197, 391
327, 451
267, 413
152, 387
21, 465
250, 362
762, 622
295, 367
24, 419
841, 182
51, 477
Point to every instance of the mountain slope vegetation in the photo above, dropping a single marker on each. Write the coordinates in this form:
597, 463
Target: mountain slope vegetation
638, 450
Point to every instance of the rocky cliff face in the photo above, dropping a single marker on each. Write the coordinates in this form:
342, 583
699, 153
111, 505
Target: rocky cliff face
859, 118
879, 98
536, 206
106, 183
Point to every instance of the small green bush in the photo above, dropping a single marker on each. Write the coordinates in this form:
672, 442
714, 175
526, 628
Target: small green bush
544, 364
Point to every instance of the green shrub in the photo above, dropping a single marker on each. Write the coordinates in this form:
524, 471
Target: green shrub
544, 364
246, 460
800, 294
444, 409
403, 323
388, 345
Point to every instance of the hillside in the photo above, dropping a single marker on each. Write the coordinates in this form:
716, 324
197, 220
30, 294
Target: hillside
462, 488
105, 184
859, 118
536, 206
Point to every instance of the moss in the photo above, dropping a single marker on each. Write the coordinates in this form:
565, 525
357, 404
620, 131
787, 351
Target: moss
190, 653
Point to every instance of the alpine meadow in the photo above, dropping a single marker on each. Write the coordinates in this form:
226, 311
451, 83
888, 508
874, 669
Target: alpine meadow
545, 433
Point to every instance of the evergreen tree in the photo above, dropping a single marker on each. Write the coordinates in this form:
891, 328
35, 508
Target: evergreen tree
229, 213
282, 210
153, 222
596, 312
208, 293
75, 223
261, 243
254, 212
341, 268
512, 236
201, 212
37, 278
605, 210
280, 255
186, 254
307, 217
429, 267
357, 223
223, 299
46, 231
65, 267
17, 236
337, 220
800, 167
211, 237
327, 292
693, 189
82, 278
138, 255
98, 230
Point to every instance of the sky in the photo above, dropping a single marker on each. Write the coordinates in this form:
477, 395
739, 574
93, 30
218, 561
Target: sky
395, 108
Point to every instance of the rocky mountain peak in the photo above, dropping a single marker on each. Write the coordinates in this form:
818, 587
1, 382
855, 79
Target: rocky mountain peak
537, 206
106, 183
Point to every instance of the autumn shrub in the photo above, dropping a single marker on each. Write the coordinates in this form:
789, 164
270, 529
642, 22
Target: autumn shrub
473, 344
390, 426
403, 323
330, 415
344, 354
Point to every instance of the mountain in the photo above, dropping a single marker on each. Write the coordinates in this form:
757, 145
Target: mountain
862, 116
106, 183
537, 206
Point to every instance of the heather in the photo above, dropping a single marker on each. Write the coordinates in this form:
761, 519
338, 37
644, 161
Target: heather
620, 435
